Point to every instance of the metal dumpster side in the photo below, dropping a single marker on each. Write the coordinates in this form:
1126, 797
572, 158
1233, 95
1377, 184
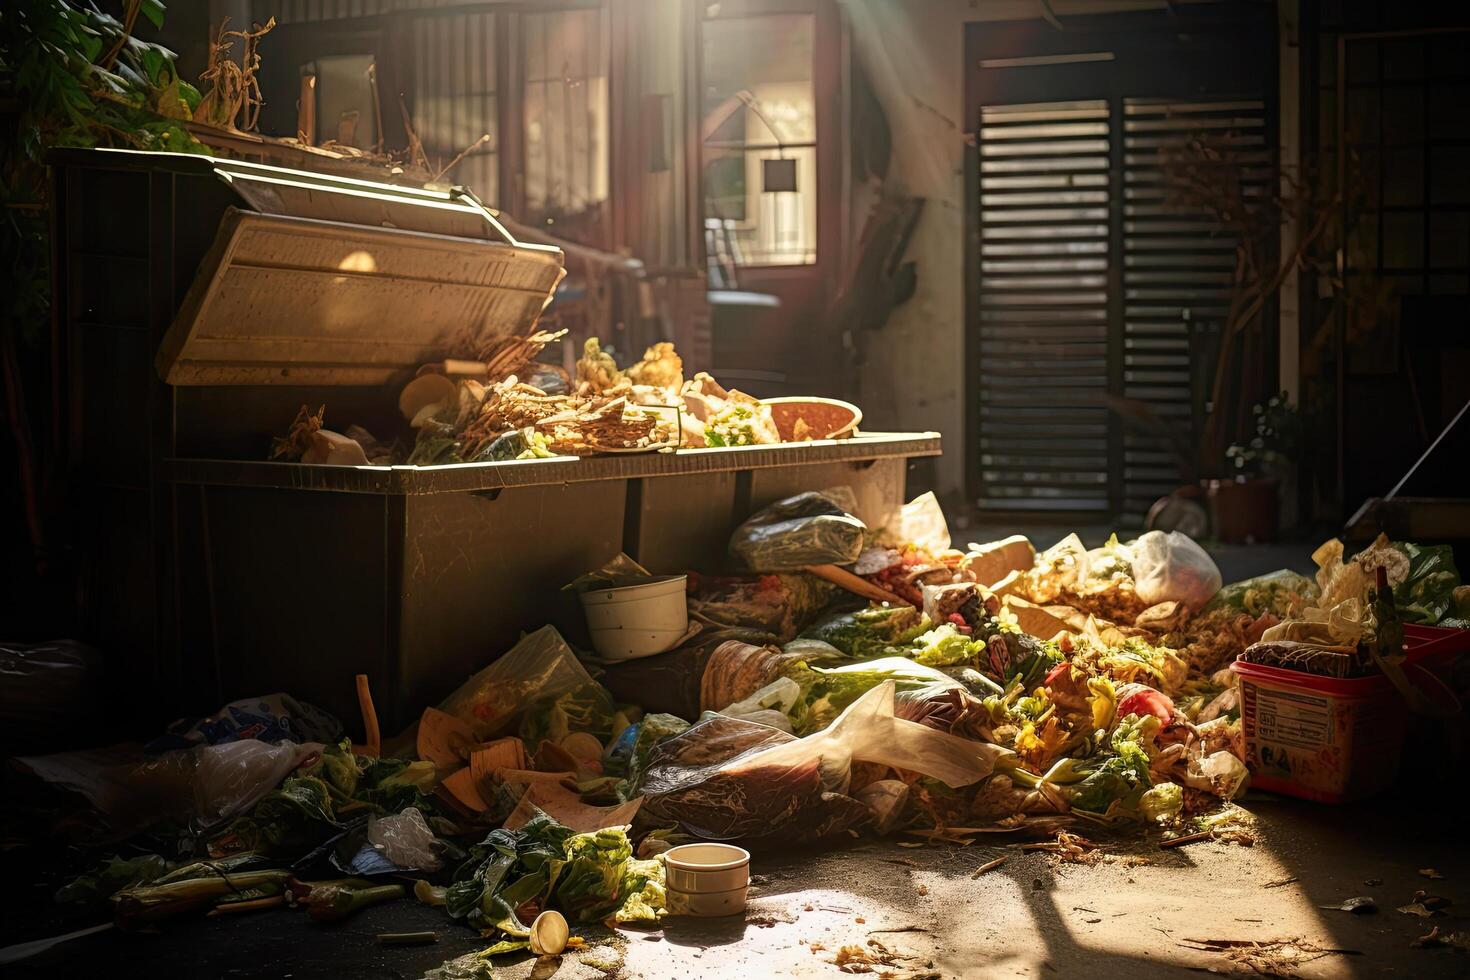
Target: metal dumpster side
296, 577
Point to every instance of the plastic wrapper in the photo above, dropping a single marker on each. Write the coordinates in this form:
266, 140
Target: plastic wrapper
776, 604
585, 708
1280, 593
615, 574
771, 705
871, 631
670, 682
540, 666
232, 777
737, 670
807, 529
1170, 566
727, 779
1423, 577
405, 839
829, 691
920, 524
271, 718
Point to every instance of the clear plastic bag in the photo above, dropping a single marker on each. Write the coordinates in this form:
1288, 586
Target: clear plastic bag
231, 777
1170, 566
405, 839
807, 529
726, 779
540, 666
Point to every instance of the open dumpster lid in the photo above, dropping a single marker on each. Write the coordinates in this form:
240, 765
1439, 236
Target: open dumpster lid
338, 281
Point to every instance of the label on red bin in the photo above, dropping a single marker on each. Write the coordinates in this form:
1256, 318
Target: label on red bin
1317, 745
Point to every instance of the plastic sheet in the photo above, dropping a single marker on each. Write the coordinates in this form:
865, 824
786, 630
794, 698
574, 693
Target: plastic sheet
807, 529
540, 666
1171, 566
727, 779
232, 777
405, 839
780, 605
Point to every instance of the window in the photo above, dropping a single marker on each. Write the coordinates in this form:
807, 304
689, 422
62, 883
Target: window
759, 137
344, 110
454, 99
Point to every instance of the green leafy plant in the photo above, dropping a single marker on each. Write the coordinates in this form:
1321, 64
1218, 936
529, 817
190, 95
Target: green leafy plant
71, 75
1277, 441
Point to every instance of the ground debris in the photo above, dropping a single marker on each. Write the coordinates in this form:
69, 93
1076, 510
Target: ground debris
1454, 940
1358, 905
1069, 848
1430, 873
1266, 957
988, 866
1425, 905
1281, 883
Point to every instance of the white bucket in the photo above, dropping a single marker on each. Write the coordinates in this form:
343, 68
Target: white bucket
637, 620
706, 868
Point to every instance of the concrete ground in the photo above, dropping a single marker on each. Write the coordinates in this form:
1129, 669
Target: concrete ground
1129, 916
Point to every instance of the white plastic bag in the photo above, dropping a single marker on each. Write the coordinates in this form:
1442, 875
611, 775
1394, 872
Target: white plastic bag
867, 731
920, 522
1170, 566
231, 777
769, 705
541, 665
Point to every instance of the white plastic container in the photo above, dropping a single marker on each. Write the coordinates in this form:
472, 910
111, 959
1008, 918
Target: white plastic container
707, 869
706, 904
637, 620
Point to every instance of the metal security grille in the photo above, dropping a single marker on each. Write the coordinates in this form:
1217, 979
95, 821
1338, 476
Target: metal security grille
1043, 322
1177, 272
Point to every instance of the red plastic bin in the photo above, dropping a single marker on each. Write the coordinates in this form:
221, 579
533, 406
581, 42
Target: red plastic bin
1334, 740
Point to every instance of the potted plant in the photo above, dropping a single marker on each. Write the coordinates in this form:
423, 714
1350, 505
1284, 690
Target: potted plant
1245, 505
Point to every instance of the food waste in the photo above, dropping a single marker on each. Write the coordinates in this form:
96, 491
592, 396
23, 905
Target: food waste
1050, 695
505, 405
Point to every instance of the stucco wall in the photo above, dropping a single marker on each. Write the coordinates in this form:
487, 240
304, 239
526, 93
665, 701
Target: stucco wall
913, 53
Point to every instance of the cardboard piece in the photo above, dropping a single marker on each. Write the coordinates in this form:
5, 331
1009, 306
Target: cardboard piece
567, 808
462, 789
1035, 619
990, 563
444, 740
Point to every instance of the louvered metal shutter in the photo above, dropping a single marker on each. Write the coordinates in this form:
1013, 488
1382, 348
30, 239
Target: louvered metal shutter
1049, 209
1177, 270
1043, 321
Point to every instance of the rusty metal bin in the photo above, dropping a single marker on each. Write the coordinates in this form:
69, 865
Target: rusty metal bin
280, 288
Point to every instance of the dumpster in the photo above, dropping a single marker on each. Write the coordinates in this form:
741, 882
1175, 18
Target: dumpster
222, 575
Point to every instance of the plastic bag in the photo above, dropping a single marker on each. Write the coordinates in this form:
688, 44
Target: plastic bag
540, 666
1171, 566
920, 524
726, 779
232, 777
405, 839
776, 604
768, 706
670, 682
807, 529
1277, 592
269, 718
616, 573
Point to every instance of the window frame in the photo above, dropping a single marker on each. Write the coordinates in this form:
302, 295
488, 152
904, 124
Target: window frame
827, 53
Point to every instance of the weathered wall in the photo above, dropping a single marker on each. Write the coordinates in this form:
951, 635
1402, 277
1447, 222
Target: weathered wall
913, 53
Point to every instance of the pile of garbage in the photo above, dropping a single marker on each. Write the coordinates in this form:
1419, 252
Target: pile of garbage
841, 680
506, 405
